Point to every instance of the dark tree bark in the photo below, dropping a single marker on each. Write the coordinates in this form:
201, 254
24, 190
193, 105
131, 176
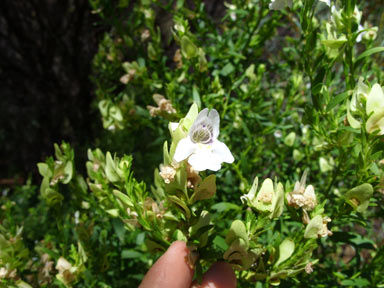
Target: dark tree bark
46, 48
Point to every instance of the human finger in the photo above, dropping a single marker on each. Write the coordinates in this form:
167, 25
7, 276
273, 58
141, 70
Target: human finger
220, 275
170, 270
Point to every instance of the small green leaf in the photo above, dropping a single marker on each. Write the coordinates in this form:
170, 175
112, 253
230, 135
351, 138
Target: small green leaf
220, 242
131, 254
68, 172
190, 117
227, 69
358, 197
52, 197
196, 96
334, 44
289, 140
278, 202
180, 204
110, 169
166, 158
206, 189
188, 48
118, 226
314, 227
44, 170
225, 206
351, 120
123, 198
113, 212
336, 100
237, 230
286, 249
369, 52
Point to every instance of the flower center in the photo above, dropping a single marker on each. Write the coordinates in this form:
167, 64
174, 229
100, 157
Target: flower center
203, 133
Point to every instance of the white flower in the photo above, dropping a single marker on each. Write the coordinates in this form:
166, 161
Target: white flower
375, 106
328, 2
280, 4
302, 196
63, 265
361, 34
308, 268
201, 146
360, 94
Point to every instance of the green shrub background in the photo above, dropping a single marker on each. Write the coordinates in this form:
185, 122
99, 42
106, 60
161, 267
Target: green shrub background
282, 99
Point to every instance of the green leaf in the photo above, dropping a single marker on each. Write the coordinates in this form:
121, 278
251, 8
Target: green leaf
314, 227
131, 254
369, 52
180, 204
196, 96
190, 117
336, 100
351, 120
52, 197
166, 158
334, 44
237, 230
110, 169
123, 198
206, 189
201, 228
118, 226
286, 249
44, 170
227, 69
225, 206
289, 140
358, 197
68, 172
361, 282
278, 202
220, 242
188, 48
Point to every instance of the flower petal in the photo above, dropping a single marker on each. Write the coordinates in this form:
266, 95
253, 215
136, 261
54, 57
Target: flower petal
222, 151
202, 115
173, 126
328, 2
376, 122
310, 192
214, 117
184, 148
209, 118
204, 160
375, 101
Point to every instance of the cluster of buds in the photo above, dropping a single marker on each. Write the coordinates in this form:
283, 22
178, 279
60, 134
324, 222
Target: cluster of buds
132, 70
145, 35
7, 273
164, 106
317, 226
112, 115
302, 196
67, 272
178, 59
167, 172
44, 273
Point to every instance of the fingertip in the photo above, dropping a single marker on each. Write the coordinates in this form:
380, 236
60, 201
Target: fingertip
171, 269
220, 275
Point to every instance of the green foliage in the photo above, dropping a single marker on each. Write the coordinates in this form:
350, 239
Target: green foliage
298, 103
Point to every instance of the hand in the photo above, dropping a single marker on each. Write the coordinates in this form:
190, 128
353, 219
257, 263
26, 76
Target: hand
171, 271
